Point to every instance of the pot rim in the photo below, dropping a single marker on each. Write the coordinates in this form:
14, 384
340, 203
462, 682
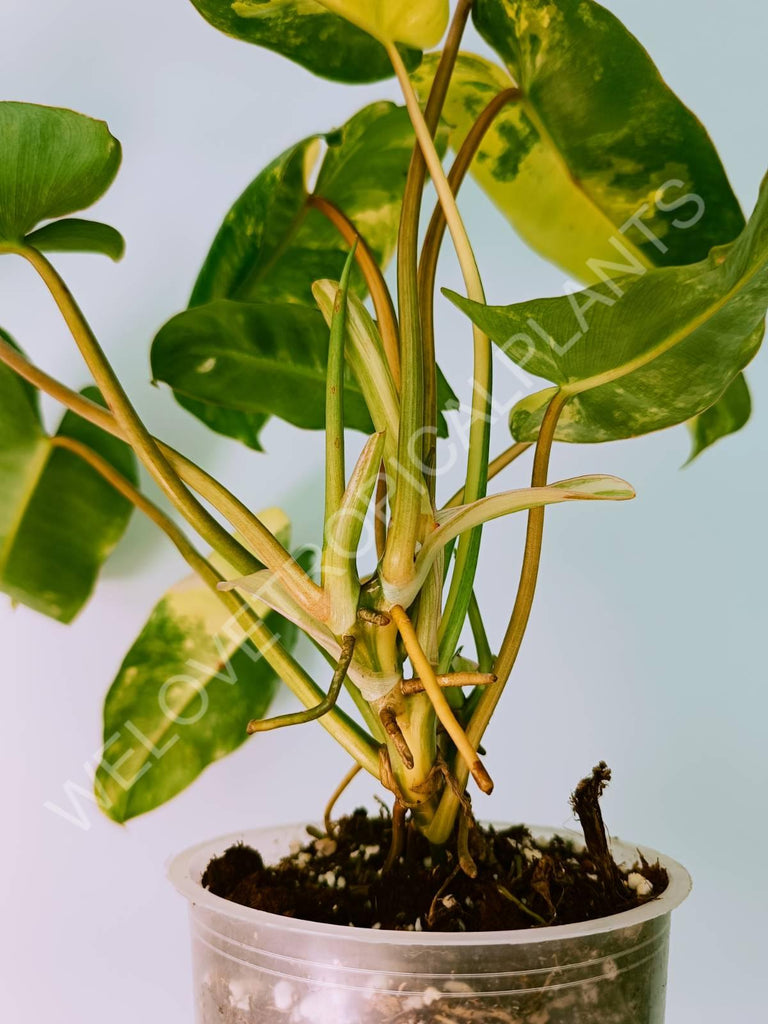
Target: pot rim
185, 872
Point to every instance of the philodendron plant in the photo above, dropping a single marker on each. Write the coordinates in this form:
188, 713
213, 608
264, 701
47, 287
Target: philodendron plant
600, 168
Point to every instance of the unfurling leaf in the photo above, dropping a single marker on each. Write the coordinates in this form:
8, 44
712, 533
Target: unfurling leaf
308, 32
454, 521
53, 162
59, 519
639, 354
368, 364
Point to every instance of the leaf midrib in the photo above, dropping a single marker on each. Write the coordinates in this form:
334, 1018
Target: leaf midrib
677, 338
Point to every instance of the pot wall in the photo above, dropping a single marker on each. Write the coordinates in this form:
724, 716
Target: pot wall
257, 968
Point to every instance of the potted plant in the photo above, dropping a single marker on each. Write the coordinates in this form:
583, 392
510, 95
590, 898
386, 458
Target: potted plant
598, 165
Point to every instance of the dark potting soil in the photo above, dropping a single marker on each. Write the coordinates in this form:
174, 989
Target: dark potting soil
502, 880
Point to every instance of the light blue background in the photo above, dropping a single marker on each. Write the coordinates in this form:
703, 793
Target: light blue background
647, 643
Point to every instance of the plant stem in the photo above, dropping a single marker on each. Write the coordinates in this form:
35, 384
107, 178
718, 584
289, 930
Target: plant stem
138, 436
482, 647
374, 279
443, 710
125, 488
442, 823
468, 548
416, 377
380, 513
438, 94
346, 732
335, 469
529, 573
266, 547
433, 243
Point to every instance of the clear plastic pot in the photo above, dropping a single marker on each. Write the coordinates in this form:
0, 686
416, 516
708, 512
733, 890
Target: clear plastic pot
256, 968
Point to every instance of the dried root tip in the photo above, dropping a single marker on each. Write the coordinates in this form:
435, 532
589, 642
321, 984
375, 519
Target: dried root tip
463, 798
373, 617
466, 861
411, 687
399, 812
388, 717
586, 804
386, 775
481, 777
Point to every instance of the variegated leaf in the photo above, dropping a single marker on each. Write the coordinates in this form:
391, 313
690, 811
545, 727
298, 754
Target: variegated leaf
273, 244
639, 353
454, 521
597, 164
419, 24
307, 31
727, 416
184, 693
599, 155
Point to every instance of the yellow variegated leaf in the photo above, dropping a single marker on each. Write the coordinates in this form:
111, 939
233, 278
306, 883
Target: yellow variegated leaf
517, 161
419, 23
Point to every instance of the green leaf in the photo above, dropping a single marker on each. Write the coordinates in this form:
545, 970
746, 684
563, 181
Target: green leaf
240, 426
182, 699
53, 162
726, 416
596, 146
307, 32
74, 235
639, 354
59, 519
257, 358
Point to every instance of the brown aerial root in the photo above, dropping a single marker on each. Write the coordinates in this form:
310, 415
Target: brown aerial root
388, 716
372, 617
328, 703
399, 814
466, 860
443, 710
410, 687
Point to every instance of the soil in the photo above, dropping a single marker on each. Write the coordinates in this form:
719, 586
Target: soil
501, 881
